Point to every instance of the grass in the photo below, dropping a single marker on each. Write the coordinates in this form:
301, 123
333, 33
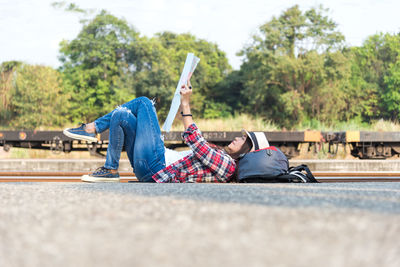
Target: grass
234, 123
255, 123
245, 121
352, 125
386, 126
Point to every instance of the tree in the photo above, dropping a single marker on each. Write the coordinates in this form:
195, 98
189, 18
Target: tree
162, 58
375, 72
109, 63
36, 98
295, 32
228, 94
97, 66
7, 75
391, 94
292, 58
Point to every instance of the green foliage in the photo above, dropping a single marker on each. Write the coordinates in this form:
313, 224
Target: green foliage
109, 63
162, 59
296, 32
294, 69
295, 73
96, 66
391, 95
71, 7
215, 110
374, 69
36, 98
229, 90
7, 76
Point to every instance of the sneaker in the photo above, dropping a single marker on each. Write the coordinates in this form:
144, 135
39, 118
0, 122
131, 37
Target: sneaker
80, 134
101, 175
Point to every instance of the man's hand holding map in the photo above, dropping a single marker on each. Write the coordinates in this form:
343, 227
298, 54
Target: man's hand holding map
188, 69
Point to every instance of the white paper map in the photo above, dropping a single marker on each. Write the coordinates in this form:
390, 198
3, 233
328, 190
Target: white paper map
190, 65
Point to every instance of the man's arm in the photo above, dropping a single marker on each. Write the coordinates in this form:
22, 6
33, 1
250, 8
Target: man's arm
187, 118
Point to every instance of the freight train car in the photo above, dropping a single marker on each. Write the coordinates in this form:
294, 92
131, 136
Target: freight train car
57, 142
373, 145
363, 145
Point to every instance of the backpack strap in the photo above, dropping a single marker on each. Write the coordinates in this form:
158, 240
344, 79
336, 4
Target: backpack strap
305, 168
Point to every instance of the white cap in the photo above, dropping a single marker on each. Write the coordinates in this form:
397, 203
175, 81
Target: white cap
258, 139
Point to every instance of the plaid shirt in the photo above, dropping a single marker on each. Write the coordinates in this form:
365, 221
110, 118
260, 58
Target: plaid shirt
207, 163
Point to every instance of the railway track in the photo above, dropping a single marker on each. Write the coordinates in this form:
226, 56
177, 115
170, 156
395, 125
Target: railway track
323, 177
55, 177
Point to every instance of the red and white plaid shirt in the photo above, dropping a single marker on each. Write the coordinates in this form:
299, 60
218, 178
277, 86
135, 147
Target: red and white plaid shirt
207, 163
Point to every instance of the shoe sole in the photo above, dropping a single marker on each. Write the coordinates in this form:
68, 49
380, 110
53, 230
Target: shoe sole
80, 137
91, 179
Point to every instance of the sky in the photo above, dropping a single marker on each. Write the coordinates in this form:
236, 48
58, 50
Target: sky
32, 30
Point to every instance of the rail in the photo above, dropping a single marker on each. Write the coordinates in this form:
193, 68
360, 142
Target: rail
323, 177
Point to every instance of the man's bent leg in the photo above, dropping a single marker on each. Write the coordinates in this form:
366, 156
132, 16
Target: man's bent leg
122, 126
103, 123
122, 130
149, 149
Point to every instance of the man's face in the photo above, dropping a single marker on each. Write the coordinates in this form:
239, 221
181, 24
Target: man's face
237, 143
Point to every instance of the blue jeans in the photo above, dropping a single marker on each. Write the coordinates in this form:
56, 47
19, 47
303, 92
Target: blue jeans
135, 126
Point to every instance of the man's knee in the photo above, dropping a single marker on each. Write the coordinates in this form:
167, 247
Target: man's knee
145, 100
119, 113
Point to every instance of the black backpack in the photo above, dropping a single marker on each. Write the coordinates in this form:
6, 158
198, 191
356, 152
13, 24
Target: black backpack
270, 165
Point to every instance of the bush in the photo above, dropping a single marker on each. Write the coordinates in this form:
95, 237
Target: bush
215, 110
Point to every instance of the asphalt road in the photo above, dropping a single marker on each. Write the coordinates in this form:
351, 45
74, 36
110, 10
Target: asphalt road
77, 224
